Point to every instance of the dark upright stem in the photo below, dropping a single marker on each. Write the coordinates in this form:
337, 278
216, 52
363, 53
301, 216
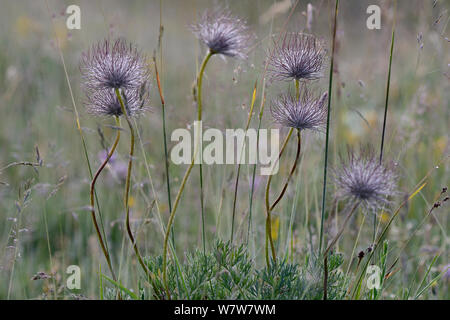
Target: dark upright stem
325, 168
291, 173
239, 166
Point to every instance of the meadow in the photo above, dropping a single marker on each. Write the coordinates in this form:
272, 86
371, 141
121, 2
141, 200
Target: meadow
223, 244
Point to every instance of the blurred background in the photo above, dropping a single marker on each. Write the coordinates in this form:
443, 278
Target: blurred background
44, 222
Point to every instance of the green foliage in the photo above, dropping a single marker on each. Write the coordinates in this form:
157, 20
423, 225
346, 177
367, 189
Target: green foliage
227, 272
224, 273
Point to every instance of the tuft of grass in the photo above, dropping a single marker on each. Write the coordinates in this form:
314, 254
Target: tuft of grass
230, 273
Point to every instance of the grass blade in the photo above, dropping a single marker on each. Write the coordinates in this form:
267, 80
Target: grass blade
325, 168
419, 293
388, 84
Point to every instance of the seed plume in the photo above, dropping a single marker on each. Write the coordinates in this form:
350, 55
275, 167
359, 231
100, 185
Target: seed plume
223, 33
307, 112
113, 65
298, 57
363, 178
106, 103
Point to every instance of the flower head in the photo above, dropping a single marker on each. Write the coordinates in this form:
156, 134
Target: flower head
307, 112
223, 33
299, 56
105, 102
363, 178
113, 65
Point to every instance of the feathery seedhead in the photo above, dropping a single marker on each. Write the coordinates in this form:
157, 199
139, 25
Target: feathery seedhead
363, 178
307, 112
223, 33
105, 102
300, 56
113, 65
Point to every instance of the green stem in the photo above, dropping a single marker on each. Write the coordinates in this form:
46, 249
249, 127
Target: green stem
127, 185
239, 164
169, 224
166, 162
92, 198
261, 111
325, 167
388, 84
234, 201
199, 118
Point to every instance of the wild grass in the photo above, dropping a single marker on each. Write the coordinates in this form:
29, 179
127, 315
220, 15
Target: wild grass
50, 147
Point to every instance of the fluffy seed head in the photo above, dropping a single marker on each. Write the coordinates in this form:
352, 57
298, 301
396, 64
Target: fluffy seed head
223, 33
308, 112
363, 178
105, 102
299, 56
111, 65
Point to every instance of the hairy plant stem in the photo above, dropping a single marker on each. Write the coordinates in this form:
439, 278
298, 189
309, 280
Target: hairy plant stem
127, 186
325, 167
332, 243
239, 164
183, 182
297, 89
268, 237
92, 197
